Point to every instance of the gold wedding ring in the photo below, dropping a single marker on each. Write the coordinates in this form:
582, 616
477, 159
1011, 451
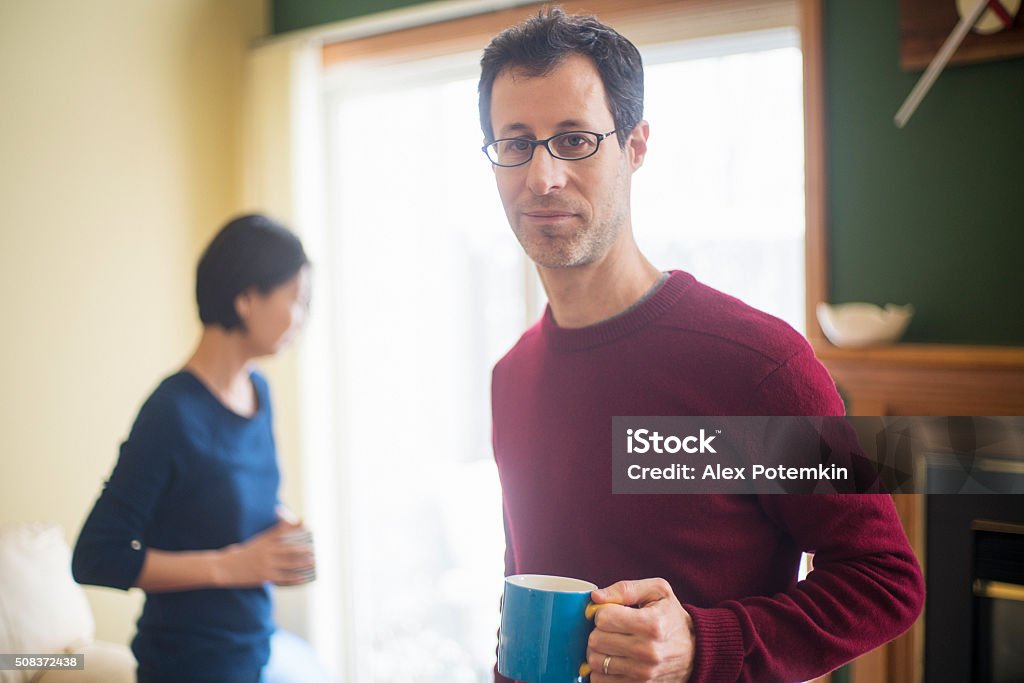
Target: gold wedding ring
604, 667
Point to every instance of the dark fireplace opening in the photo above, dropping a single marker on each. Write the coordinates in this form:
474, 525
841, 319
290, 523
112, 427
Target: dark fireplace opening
998, 601
974, 567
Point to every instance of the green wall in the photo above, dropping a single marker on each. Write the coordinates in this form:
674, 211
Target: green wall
932, 214
288, 15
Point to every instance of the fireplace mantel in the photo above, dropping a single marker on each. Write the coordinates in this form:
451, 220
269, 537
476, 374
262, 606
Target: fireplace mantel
921, 379
928, 379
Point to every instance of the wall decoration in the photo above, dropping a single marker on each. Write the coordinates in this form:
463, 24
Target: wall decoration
925, 25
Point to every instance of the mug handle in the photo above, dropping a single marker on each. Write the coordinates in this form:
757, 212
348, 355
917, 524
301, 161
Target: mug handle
590, 612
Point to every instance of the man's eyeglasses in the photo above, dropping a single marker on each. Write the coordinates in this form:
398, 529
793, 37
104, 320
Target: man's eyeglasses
572, 145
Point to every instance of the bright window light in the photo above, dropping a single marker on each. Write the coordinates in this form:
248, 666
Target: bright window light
721, 193
432, 289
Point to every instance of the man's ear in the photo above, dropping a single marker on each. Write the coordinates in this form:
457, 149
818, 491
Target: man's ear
636, 144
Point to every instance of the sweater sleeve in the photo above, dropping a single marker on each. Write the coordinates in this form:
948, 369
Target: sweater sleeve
865, 589
800, 385
112, 545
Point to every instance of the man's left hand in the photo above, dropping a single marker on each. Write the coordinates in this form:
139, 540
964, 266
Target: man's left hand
647, 633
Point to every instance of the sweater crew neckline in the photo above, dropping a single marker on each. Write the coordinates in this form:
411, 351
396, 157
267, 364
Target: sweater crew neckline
618, 326
210, 395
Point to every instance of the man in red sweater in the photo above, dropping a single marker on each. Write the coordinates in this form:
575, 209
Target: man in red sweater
561, 105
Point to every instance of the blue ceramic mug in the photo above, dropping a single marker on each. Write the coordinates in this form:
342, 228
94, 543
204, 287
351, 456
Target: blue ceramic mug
545, 623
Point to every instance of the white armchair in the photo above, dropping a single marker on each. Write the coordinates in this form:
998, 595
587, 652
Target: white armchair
43, 611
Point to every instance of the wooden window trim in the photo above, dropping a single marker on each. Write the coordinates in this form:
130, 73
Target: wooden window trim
644, 21
815, 233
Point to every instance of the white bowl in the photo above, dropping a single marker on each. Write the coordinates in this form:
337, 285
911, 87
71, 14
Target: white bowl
863, 324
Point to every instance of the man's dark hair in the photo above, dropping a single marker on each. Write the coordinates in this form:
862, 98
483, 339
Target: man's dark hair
540, 43
250, 251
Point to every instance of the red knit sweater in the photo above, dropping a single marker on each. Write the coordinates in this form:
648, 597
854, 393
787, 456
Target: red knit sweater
731, 560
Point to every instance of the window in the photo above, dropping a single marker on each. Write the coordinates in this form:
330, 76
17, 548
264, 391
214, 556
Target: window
431, 288
431, 293
721, 193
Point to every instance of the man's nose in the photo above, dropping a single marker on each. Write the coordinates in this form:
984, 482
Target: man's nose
545, 174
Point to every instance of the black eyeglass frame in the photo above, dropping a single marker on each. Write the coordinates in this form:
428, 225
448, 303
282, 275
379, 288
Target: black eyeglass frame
544, 143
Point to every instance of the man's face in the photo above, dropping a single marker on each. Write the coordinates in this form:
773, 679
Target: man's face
564, 213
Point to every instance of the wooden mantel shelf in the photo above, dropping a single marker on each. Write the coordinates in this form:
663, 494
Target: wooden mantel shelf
928, 379
945, 355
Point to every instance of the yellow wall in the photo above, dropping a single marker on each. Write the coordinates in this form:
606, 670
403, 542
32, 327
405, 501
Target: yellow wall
120, 134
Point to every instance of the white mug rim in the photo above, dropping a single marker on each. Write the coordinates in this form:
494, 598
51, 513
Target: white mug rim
548, 583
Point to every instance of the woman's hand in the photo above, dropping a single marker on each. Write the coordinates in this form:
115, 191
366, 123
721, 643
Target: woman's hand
268, 556
282, 555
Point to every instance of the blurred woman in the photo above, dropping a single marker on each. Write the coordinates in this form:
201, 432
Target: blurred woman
190, 513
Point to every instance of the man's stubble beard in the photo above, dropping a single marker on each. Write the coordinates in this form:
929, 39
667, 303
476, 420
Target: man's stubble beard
586, 244
583, 246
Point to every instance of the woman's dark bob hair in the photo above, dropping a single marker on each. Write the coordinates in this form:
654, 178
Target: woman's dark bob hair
251, 251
